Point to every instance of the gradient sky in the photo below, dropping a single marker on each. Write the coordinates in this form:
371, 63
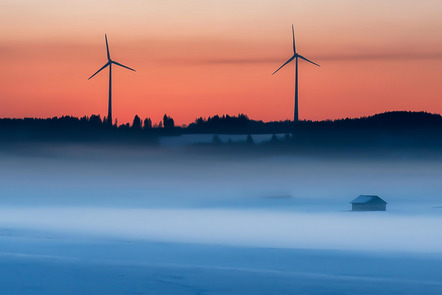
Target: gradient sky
206, 57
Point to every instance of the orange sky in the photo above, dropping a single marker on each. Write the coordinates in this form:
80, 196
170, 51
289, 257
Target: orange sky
200, 58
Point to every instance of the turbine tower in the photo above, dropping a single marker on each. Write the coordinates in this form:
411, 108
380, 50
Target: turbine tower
295, 57
109, 63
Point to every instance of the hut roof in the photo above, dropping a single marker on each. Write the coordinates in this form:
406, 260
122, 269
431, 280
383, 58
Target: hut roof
365, 199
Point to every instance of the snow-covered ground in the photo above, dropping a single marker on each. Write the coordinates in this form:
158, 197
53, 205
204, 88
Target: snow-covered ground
76, 220
45, 263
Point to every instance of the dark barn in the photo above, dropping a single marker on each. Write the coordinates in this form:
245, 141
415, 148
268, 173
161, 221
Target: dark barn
368, 203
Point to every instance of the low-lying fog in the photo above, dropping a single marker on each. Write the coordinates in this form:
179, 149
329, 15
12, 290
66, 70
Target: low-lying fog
282, 201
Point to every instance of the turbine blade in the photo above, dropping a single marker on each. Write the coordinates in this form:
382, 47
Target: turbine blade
99, 70
293, 33
284, 64
107, 48
300, 56
118, 64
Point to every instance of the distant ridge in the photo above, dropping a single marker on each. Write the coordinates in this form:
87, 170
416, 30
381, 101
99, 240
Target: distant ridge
402, 126
242, 124
401, 119
391, 118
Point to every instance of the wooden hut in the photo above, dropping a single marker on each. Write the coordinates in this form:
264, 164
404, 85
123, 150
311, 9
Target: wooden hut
368, 203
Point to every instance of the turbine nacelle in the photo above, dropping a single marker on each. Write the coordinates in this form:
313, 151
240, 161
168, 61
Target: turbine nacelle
110, 61
292, 58
295, 54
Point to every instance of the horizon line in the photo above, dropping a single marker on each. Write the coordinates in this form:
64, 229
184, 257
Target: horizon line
223, 115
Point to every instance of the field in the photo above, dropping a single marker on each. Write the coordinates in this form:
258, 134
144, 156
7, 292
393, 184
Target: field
132, 220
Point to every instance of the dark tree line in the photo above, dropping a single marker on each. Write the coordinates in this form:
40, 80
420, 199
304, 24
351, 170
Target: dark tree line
225, 121
407, 128
86, 128
167, 122
389, 120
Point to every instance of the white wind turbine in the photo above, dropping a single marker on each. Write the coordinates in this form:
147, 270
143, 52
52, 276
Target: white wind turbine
295, 57
109, 63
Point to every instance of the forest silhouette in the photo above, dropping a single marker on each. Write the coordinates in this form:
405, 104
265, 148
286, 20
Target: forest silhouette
390, 129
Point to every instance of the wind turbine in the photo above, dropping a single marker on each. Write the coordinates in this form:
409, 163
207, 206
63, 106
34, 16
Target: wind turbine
109, 63
295, 57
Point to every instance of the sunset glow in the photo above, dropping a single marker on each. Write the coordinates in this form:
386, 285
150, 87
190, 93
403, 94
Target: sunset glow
201, 58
